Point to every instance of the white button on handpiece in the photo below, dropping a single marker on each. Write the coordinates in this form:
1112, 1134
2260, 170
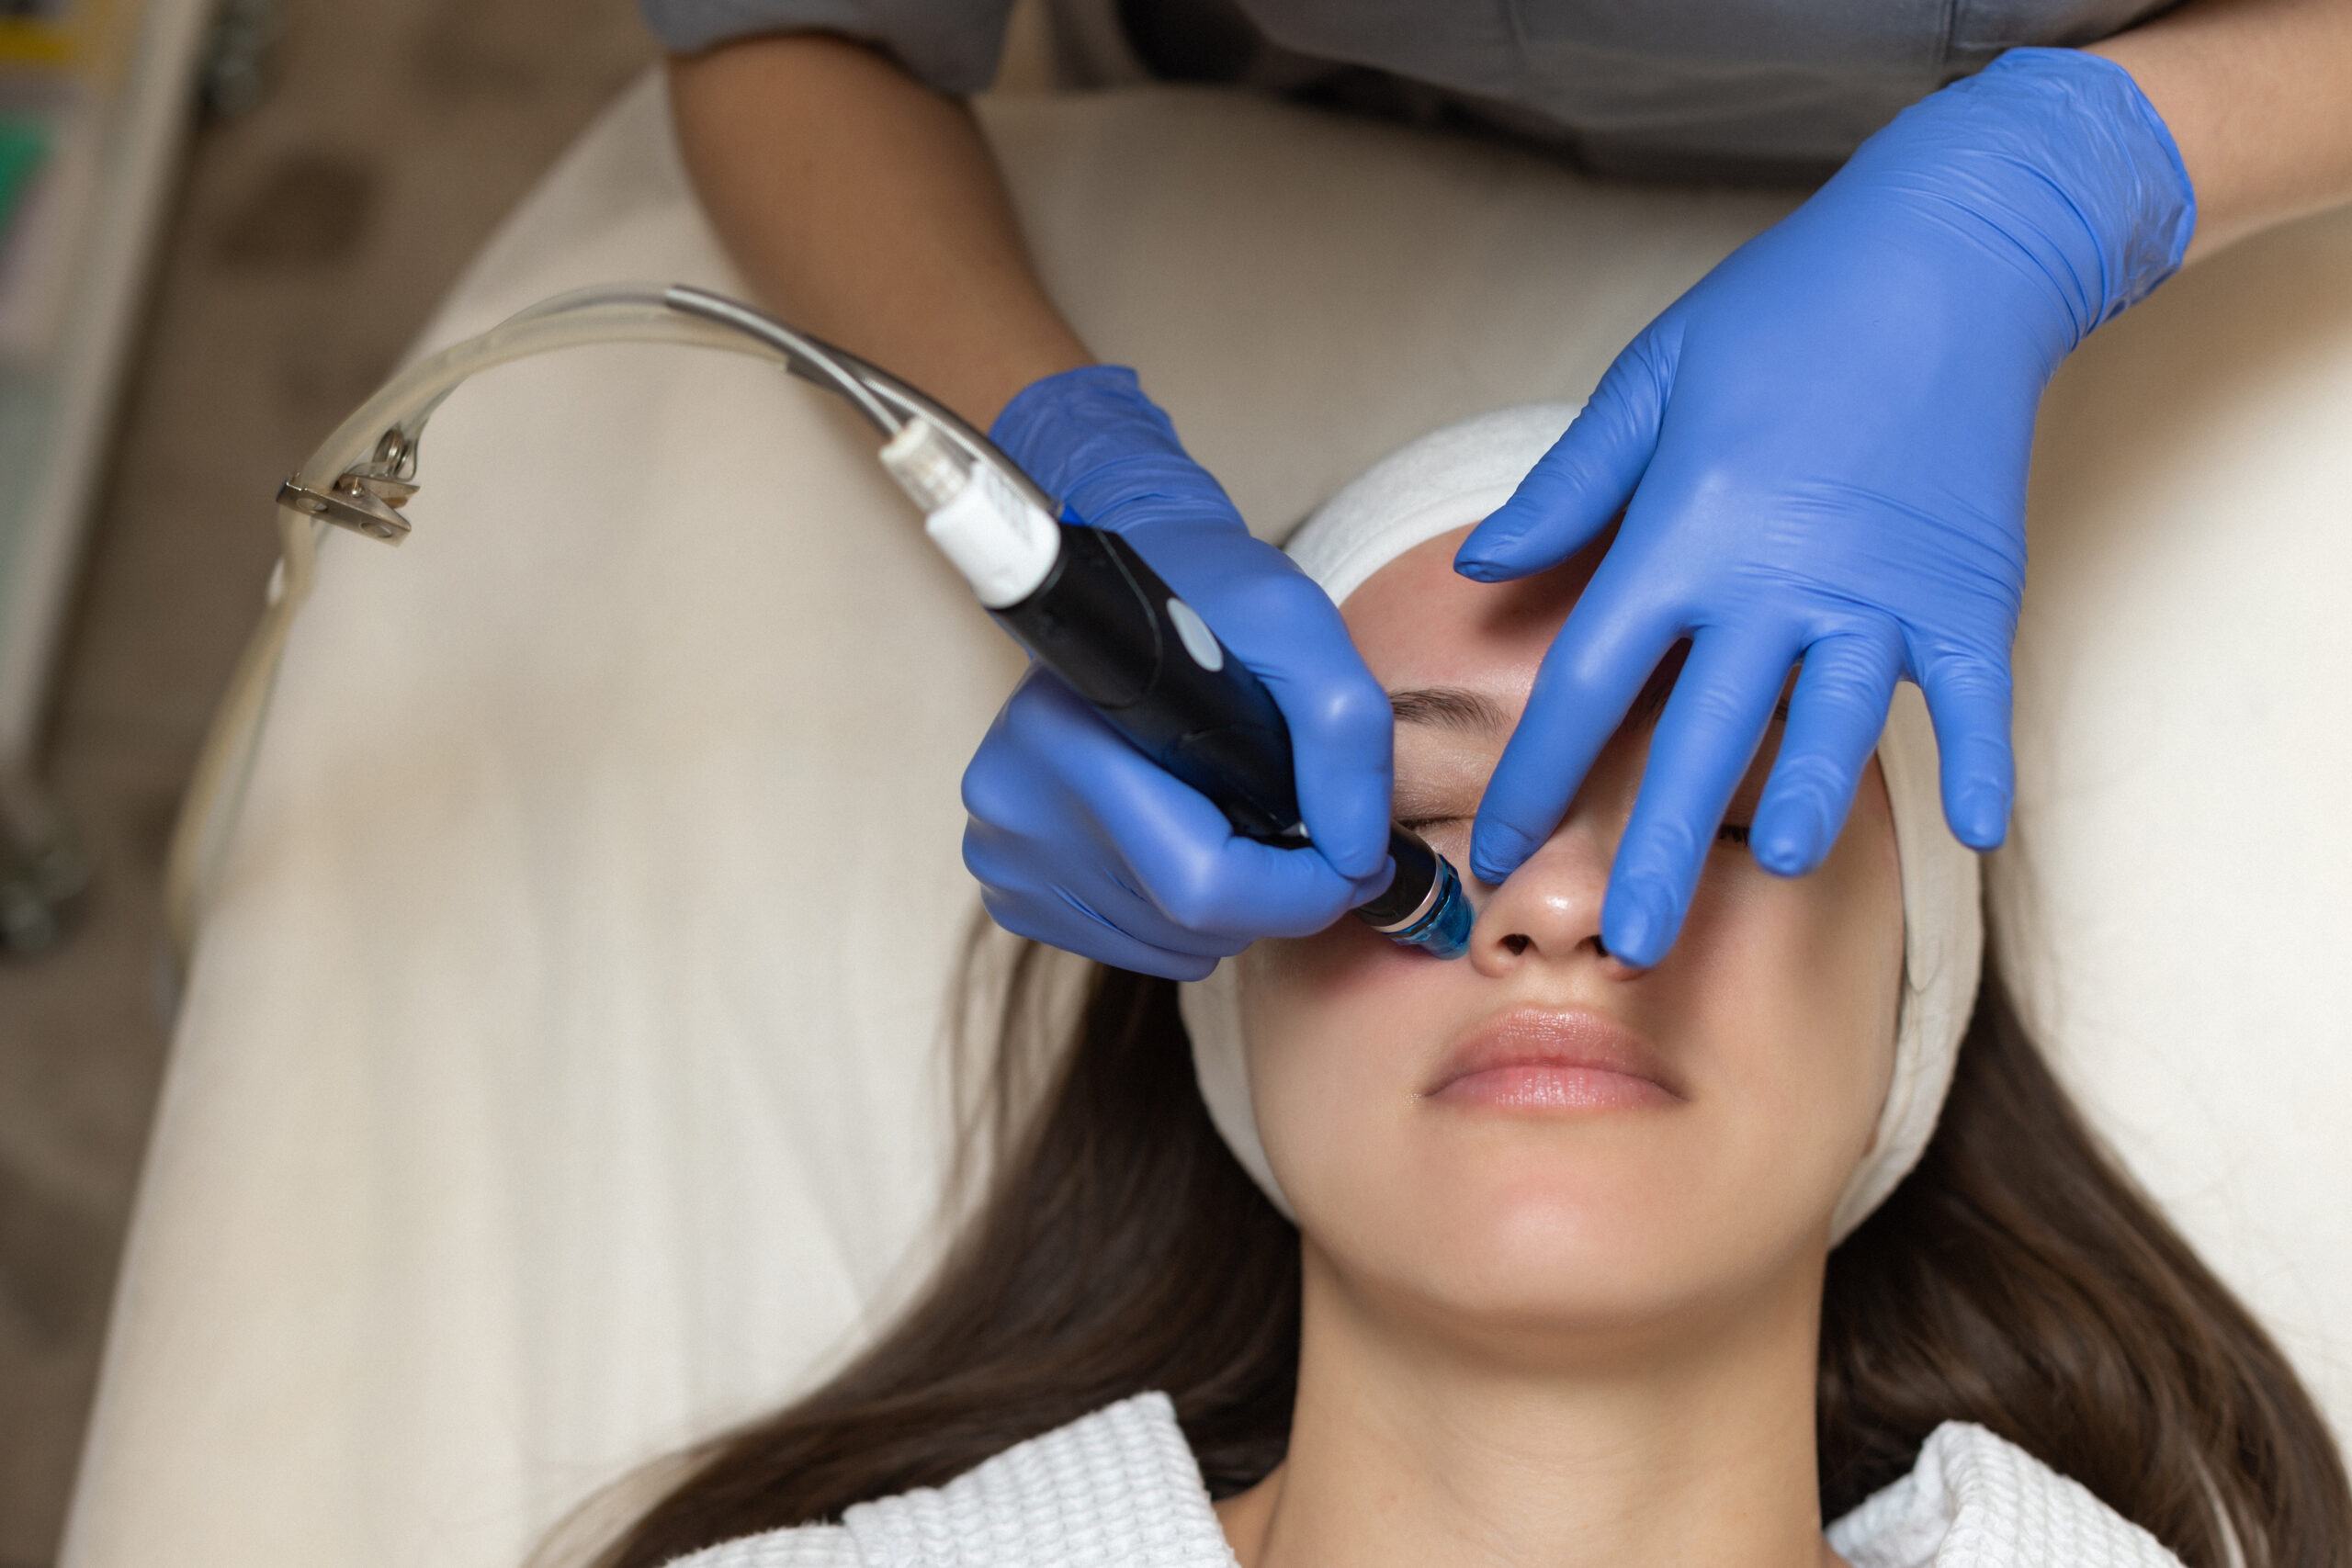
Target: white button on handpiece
1199, 641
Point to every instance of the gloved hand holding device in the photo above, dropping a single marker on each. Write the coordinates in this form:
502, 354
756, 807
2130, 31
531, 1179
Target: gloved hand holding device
1077, 839
1820, 452
1820, 455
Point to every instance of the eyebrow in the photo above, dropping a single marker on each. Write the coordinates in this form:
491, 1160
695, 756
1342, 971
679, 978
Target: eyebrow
1449, 707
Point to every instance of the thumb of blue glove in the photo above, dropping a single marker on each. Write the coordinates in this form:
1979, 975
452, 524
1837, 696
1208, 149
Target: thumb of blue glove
1080, 841
1820, 455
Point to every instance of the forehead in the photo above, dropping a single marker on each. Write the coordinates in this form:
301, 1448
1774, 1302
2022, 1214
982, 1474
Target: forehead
1420, 623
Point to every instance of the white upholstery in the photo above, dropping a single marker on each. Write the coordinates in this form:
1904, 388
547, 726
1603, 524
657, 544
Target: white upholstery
557, 1075
2176, 901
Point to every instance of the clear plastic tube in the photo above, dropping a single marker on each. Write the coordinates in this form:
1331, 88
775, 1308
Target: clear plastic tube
616, 312
381, 438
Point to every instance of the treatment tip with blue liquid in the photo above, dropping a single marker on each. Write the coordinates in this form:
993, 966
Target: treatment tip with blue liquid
1445, 931
1424, 905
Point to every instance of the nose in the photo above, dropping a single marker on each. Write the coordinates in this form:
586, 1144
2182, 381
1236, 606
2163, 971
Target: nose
1548, 910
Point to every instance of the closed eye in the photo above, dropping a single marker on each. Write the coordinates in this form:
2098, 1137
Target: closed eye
1729, 833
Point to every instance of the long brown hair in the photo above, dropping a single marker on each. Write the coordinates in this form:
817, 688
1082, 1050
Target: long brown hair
2016, 1279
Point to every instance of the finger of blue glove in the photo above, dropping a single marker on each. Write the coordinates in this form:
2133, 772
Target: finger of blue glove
1100, 916
1705, 739
1587, 475
1835, 715
1199, 874
1605, 653
1111, 917
1289, 634
1968, 698
1074, 928
1151, 849
1062, 903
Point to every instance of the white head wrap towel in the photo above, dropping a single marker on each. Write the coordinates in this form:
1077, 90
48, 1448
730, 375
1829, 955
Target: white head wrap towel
1457, 475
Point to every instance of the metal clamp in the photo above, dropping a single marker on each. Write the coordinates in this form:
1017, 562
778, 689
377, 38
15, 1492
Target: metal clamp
366, 500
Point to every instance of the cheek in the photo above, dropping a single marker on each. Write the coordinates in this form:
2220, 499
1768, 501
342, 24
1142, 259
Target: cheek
1315, 1008
1799, 980
1340, 1025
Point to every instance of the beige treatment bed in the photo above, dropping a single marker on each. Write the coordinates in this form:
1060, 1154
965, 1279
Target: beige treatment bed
557, 1077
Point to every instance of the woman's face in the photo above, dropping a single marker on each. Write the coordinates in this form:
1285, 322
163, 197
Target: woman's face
1536, 1136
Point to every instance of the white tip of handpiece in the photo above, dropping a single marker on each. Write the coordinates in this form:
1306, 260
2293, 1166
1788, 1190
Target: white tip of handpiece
1003, 542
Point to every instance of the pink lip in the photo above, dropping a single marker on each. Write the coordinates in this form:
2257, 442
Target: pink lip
1533, 1060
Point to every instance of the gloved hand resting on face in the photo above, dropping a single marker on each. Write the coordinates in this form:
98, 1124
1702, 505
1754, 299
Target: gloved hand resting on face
1820, 456
1075, 838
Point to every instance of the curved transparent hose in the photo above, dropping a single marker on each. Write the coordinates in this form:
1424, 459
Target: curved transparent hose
379, 441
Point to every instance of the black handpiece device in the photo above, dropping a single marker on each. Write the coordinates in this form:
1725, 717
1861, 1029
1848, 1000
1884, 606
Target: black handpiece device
1104, 622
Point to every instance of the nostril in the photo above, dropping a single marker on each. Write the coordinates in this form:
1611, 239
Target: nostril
1515, 944
1599, 945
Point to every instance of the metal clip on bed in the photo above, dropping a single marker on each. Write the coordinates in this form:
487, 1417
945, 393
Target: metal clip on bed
368, 499
366, 471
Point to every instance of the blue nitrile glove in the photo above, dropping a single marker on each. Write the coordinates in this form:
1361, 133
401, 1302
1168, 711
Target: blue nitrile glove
1820, 452
1077, 838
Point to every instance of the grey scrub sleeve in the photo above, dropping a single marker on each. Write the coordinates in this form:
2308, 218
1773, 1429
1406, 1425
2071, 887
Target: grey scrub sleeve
951, 44
1661, 88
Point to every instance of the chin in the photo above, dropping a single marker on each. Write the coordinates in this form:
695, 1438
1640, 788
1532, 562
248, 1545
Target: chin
1566, 1249
1569, 1262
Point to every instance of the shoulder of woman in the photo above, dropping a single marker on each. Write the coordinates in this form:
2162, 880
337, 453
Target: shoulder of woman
1978, 1501
1116, 1487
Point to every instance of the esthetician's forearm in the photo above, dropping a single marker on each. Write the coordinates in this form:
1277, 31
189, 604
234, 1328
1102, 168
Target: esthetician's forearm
2258, 94
867, 209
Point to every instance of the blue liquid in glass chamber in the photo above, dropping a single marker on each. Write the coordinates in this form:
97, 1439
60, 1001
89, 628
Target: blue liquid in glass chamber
1445, 931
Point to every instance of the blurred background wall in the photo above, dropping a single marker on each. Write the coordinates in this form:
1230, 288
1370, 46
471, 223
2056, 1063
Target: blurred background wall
343, 158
